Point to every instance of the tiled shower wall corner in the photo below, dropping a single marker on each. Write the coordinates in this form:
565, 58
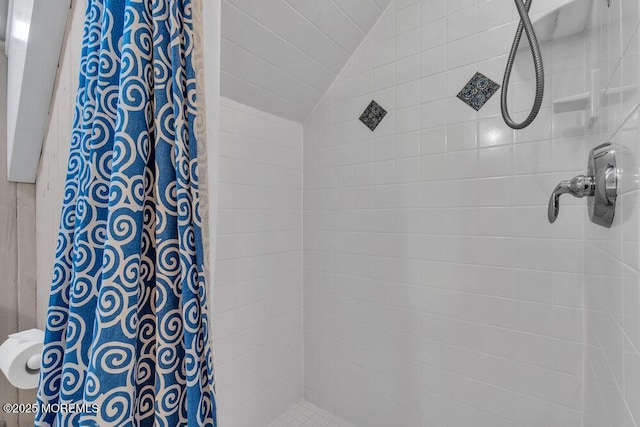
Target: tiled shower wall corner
612, 259
257, 301
435, 291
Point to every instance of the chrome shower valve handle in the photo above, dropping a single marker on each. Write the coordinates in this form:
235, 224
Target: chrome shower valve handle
579, 187
600, 186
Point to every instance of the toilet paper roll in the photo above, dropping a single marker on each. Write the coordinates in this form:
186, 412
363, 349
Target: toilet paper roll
15, 353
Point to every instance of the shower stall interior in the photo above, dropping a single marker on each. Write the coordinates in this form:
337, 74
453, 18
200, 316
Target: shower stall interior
397, 267
384, 253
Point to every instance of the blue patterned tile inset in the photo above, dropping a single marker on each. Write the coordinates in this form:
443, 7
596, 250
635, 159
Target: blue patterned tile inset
373, 115
478, 91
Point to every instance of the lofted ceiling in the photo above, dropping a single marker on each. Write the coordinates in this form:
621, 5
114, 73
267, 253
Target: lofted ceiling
280, 56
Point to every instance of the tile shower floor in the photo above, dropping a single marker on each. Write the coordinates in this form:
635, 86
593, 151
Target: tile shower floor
307, 414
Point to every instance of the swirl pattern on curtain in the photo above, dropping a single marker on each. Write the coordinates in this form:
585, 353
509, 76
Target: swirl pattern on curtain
127, 329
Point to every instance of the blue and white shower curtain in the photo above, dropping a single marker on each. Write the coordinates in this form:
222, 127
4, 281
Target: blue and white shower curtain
127, 340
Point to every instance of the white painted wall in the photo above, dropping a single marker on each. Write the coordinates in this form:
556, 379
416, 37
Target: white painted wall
17, 286
435, 291
257, 304
35, 34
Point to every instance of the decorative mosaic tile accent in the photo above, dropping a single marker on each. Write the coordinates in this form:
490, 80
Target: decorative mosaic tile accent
478, 91
373, 115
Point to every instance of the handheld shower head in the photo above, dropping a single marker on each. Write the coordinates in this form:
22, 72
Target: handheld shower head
526, 26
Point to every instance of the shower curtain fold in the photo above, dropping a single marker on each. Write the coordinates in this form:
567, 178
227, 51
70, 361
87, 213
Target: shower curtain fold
127, 336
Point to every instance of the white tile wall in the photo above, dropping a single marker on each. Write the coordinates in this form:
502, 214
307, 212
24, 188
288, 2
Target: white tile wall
257, 302
612, 262
436, 293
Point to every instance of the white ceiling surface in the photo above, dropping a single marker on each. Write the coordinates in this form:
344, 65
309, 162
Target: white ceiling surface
280, 56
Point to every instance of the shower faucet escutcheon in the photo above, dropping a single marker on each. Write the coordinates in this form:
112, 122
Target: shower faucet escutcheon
600, 186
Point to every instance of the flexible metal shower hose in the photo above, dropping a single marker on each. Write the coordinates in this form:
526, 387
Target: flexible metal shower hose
525, 24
